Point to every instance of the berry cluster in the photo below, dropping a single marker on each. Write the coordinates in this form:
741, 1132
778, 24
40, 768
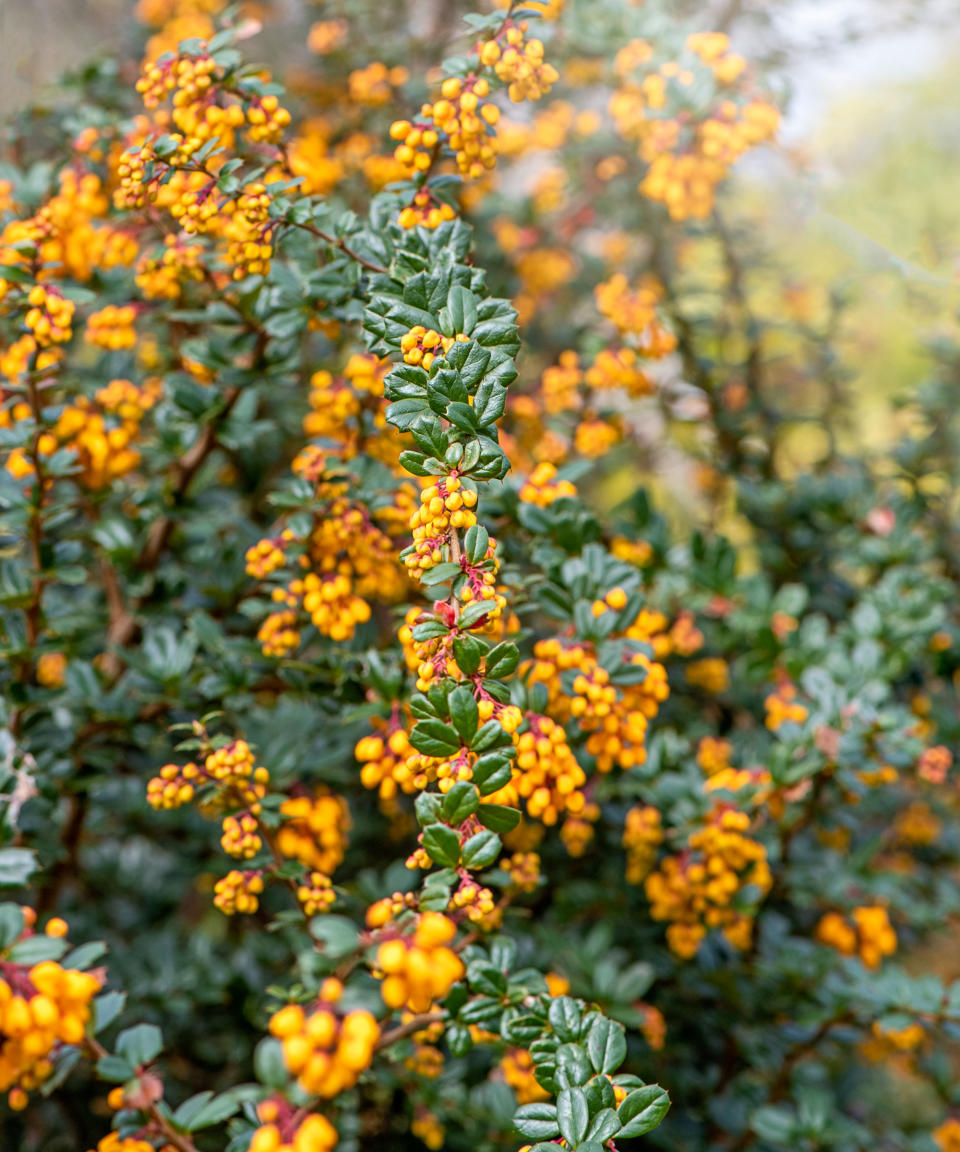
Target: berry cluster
419, 969
247, 229
229, 778
42, 1006
314, 830
642, 837
419, 345
382, 755
314, 1133
316, 893
163, 276
523, 868
445, 505
112, 327
615, 718
543, 486
692, 119
518, 62
238, 892
698, 890
425, 211
633, 312
518, 1070
326, 1051
871, 935
50, 316
547, 776
782, 708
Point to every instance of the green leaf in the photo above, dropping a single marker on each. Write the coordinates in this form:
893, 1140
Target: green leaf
462, 416
37, 948
216, 1110
115, 1069
573, 1067
269, 1064
85, 956
439, 574
429, 629
491, 773
476, 540
189, 1109
473, 614
490, 402
459, 1039
573, 1115
106, 1009
483, 1010
66, 1059
442, 845
481, 850
435, 896
17, 865
464, 712
643, 1110
537, 1121
503, 952
605, 1124
502, 661
775, 1124
468, 652
490, 736
606, 1045
498, 817
337, 935
461, 311
428, 806
413, 463
11, 923
434, 738
520, 1028
140, 1044
484, 978
565, 1017
460, 802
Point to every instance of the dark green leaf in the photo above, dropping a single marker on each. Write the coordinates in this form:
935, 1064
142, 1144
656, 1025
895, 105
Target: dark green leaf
442, 845
643, 1110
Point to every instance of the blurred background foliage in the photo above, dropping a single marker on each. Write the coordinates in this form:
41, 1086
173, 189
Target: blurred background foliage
859, 201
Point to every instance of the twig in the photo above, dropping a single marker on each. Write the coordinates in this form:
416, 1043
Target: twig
417, 1024
334, 242
123, 622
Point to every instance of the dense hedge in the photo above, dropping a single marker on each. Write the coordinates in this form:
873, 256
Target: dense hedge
399, 769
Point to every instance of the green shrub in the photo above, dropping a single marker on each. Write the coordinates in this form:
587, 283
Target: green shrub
326, 535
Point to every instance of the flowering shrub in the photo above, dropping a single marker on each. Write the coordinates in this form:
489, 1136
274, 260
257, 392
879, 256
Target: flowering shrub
399, 785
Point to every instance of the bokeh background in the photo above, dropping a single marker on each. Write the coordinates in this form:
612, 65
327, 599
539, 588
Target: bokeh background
860, 196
